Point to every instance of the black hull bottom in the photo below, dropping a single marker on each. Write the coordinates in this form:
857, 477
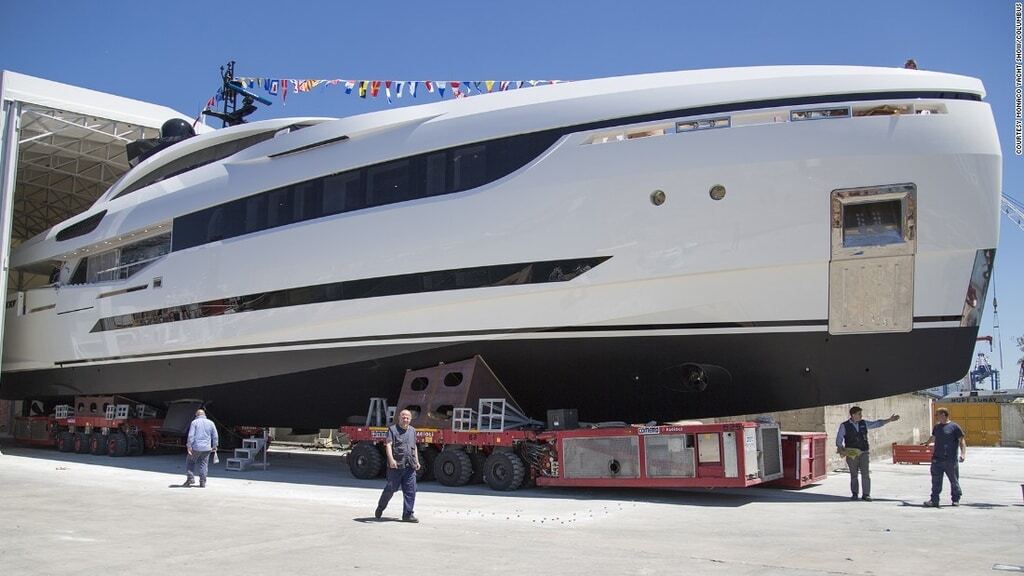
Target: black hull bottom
634, 378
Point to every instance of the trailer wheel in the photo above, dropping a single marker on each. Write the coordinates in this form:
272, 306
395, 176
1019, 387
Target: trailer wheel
65, 441
97, 444
82, 442
453, 468
427, 454
478, 458
504, 471
135, 445
365, 461
117, 445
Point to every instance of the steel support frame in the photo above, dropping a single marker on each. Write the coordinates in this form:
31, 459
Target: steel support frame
9, 124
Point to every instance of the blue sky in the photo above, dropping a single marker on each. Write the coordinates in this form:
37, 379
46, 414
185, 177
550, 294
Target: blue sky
169, 53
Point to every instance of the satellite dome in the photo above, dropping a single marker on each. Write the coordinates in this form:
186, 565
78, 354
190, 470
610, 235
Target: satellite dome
176, 128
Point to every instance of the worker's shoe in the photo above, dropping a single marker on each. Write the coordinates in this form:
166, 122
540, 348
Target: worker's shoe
202, 484
956, 502
187, 484
866, 498
378, 513
411, 518
854, 498
930, 504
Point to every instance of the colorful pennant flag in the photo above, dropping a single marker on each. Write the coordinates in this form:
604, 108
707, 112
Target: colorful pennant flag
459, 88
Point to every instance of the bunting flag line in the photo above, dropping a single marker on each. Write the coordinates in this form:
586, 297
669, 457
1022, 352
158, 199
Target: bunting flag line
393, 89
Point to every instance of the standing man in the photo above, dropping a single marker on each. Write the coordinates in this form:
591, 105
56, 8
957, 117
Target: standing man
403, 462
946, 435
202, 440
852, 442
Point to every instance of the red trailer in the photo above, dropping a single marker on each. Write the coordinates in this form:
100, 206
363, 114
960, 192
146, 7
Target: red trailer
109, 425
735, 454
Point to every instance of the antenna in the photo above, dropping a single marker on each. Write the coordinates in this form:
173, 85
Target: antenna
230, 90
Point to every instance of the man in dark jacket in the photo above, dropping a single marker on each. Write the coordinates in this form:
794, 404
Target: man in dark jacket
852, 442
947, 436
403, 462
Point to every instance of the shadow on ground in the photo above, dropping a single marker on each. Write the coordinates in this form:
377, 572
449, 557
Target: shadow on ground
329, 468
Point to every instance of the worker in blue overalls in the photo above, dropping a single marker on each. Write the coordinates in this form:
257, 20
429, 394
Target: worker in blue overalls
403, 462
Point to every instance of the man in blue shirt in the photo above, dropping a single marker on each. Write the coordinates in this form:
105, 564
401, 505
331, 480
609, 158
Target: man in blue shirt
947, 436
202, 440
852, 442
403, 462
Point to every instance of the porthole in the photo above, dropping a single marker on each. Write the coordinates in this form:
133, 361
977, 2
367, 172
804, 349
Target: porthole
717, 192
419, 384
658, 197
453, 379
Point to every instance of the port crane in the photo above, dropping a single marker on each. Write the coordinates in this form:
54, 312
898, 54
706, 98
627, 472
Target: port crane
1014, 210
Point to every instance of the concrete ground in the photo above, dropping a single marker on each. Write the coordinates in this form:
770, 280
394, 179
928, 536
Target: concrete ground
79, 514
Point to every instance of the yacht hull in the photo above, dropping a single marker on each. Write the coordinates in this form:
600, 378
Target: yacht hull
631, 378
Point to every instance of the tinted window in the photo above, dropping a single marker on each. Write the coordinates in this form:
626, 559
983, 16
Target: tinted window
429, 174
439, 280
389, 183
306, 200
255, 213
344, 192
280, 210
436, 174
470, 167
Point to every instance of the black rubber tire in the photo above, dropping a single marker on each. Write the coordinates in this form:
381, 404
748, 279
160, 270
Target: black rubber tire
365, 461
427, 456
135, 445
82, 442
453, 467
117, 445
97, 444
478, 458
66, 441
504, 471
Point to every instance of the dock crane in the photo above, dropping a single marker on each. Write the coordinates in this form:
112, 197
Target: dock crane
983, 369
1014, 210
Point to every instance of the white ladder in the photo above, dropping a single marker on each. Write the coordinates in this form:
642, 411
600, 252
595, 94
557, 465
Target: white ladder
245, 457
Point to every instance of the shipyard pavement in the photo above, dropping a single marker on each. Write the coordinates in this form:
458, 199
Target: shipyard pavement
81, 514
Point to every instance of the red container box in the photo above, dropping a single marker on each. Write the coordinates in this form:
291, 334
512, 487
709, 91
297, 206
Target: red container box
803, 459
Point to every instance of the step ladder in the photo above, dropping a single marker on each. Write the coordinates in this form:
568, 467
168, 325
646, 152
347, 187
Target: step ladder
246, 456
379, 414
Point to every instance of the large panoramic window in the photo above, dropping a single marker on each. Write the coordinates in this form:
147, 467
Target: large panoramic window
430, 174
121, 263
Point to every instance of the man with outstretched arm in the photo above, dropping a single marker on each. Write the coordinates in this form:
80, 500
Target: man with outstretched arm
852, 443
